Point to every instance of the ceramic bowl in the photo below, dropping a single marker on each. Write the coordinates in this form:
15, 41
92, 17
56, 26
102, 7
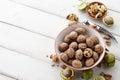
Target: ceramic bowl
90, 31
92, 3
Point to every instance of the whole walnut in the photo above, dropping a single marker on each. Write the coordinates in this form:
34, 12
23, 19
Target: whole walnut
82, 46
63, 46
88, 52
95, 56
98, 48
67, 39
81, 38
89, 62
73, 45
70, 52
80, 30
64, 57
73, 35
70, 61
79, 54
94, 39
89, 42
77, 63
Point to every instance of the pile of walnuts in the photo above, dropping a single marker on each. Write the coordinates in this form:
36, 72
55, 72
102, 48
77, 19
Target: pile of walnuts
79, 49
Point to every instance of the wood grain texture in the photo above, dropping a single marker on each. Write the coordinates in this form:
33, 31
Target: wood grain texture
25, 68
63, 8
29, 35
34, 21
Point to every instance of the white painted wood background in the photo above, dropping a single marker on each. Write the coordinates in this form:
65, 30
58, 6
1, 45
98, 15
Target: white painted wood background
27, 32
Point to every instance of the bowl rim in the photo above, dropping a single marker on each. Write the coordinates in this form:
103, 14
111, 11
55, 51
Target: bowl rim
79, 69
99, 3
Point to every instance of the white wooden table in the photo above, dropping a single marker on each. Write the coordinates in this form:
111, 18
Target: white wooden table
27, 32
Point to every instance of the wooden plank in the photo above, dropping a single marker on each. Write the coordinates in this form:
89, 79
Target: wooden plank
25, 42
32, 42
34, 19
2, 77
26, 68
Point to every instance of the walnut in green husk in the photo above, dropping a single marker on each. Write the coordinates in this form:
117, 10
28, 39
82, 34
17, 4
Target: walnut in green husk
109, 60
67, 74
87, 74
108, 20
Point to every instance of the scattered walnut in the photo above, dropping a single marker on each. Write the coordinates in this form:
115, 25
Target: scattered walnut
80, 30
106, 76
63, 46
72, 23
76, 63
89, 62
53, 65
72, 17
54, 57
106, 37
108, 42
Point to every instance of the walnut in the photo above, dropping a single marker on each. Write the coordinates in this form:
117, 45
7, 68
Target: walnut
76, 63
73, 35
88, 52
81, 38
70, 52
108, 42
63, 46
106, 37
64, 57
70, 61
94, 39
73, 45
80, 30
89, 62
54, 57
98, 48
95, 56
72, 17
82, 46
89, 42
79, 54
67, 39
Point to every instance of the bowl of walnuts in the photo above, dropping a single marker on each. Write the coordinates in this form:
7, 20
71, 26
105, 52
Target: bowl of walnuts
96, 10
79, 47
